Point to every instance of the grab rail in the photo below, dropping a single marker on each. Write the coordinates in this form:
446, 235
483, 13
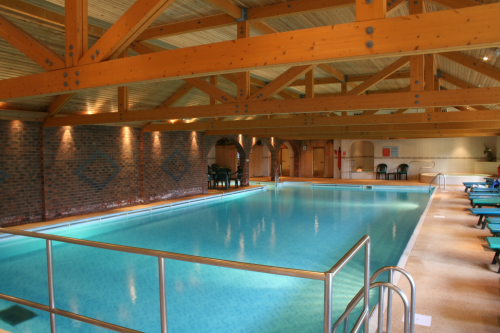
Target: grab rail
439, 174
409, 319
327, 277
431, 161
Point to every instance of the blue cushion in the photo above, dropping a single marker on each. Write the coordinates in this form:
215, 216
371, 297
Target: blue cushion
494, 242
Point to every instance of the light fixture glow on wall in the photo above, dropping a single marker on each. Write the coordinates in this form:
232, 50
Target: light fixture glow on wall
485, 58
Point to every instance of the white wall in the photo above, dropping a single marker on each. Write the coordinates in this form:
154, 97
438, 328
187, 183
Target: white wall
211, 156
451, 155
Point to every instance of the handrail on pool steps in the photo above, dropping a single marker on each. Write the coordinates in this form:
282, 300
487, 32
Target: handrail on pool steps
327, 277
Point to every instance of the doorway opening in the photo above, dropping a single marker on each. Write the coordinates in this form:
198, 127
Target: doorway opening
318, 162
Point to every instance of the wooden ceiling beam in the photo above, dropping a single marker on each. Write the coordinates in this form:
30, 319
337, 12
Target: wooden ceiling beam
30, 46
124, 31
76, 32
416, 61
308, 46
211, 91
226, 7
353, 78
59, 103
476, 65
342, 123
243, 78
392, 133
280, 83
370, 10
393, 5
333, 72
306, 105
395, 135
460, 84
482, 125
455, 4
396, 65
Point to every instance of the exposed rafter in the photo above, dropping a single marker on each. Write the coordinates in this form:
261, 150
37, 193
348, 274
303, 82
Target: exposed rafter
30, 46
227, 7
419, 32
379, 76
124, 31
211, 90
476, 65
328, 104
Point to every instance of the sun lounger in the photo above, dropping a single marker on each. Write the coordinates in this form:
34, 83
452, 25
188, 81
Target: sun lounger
479, 203
485, 213
494, 228
494, 243
488, 189
468, 185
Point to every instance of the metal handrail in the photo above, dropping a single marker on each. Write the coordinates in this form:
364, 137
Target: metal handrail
439, 174
162, 255
431, 161
365, 241
359, 295
345, 316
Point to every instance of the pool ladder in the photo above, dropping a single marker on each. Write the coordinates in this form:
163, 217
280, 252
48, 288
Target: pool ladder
438, 175
409, 307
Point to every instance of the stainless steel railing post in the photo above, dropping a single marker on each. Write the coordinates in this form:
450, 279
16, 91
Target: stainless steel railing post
389, 302
163, 294
328, 303
367, 285
381, 310
50, 275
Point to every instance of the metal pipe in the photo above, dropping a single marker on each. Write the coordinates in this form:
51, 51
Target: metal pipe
360, 320
175, 256
381, 310
389, 302
66, 314
346, 324
50, 280
163, 294
367, 285
328, 303
347, 257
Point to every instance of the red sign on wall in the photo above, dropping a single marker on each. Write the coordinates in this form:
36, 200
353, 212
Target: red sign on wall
327, 153
231, 154
345, 153
386, 151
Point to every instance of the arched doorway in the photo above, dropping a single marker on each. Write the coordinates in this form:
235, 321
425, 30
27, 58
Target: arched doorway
362, 156
260, 159
225, 154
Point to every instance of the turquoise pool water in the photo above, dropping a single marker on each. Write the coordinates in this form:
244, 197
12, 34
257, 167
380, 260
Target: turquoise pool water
304, 228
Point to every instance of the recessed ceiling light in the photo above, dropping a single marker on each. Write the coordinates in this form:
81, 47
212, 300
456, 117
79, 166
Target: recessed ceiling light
485, 58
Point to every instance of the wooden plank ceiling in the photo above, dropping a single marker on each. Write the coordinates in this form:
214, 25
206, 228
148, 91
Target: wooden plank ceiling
191, 23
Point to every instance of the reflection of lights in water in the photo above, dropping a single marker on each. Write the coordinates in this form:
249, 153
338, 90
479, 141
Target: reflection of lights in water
254, 238
393, 230
316, 225
131, 287
227, 241
241, 255
263, 225
74, 308
216, 226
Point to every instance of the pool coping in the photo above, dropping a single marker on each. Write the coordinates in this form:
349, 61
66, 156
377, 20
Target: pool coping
402, 261
189, 201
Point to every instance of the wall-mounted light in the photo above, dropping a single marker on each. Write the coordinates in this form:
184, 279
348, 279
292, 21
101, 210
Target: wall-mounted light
485, 58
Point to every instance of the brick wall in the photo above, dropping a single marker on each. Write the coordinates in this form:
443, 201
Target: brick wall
20, 173
90, 168
173, 165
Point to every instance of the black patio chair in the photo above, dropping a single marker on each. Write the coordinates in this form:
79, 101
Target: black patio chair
403, 170
222, 176
237, 177
381, 170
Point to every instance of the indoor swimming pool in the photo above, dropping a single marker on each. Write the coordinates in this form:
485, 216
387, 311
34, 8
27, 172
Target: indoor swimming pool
308, 228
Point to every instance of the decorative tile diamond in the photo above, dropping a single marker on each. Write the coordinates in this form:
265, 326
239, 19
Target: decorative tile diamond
15, 315
94, 183
176, 166
3, 176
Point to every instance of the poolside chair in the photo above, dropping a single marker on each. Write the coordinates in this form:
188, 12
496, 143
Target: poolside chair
485, 215
222, 176
403, 170
237, 177
381, 170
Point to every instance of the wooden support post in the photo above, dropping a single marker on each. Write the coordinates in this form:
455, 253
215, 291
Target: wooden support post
76, 22
123, 91
310, 84
213, 101
370, 10
243, 84
437, 87
429, 75
416, 62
